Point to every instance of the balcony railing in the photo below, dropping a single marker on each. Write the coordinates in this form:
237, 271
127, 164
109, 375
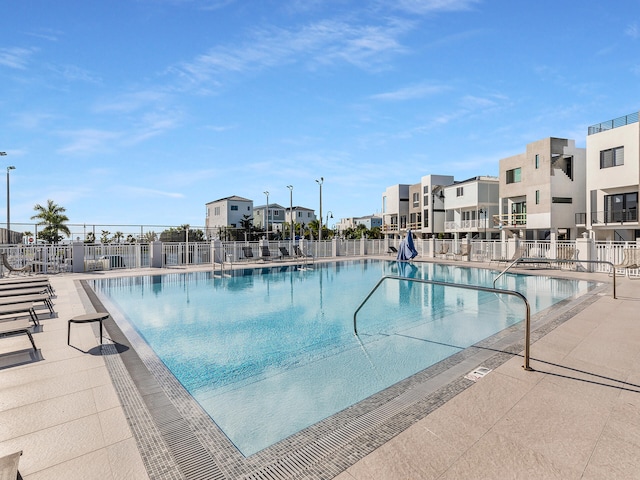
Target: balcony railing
466, 225
607, 217
510, 219
615, 123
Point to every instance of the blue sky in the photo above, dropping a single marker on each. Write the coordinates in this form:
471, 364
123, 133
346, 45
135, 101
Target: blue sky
142, 111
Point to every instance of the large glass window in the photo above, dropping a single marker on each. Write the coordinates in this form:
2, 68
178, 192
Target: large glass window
612, 157
416, 199
514, 175
622, 207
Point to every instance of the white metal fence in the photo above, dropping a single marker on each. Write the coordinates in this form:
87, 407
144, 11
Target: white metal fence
54, 258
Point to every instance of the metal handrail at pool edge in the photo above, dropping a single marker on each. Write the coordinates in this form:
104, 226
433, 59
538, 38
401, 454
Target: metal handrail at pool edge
556, 260
527, 339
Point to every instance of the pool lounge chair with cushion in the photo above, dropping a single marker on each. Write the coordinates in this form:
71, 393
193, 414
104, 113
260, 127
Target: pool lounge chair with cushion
299, 253
11, 269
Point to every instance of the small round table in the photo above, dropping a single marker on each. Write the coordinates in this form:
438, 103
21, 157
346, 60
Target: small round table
87, 318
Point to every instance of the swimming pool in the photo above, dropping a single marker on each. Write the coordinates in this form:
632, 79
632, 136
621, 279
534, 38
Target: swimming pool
271, 351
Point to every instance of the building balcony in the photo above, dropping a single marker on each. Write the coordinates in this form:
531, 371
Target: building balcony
511, 220
627, 217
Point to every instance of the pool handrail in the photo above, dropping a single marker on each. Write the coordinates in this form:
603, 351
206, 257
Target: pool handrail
513, 293
557, 260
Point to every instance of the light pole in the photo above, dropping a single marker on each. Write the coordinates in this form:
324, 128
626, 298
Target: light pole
484, 223
320, 182
266, 214
8, 209
290, 187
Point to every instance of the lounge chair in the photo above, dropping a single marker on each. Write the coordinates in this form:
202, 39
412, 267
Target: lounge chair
35, 298
9, 465
18, 309
265, 253
463, 252
392, 250
25, 282
7, 265
16, 327
300, 253
630, 260
284, 253
248, 253
520, 251
444, 250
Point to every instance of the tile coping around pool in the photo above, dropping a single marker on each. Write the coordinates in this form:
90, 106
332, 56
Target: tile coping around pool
177, 439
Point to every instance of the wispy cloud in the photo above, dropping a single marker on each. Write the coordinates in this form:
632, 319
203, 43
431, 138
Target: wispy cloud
130, 102
88, 140
151, 125
430, 6
412, 92
46, 34
16, 57
328, 42
632, 31
149, 192
73, 73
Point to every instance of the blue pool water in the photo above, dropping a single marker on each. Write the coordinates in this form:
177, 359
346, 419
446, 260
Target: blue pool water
272, 351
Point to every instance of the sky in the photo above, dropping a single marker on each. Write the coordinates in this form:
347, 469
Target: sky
129, 112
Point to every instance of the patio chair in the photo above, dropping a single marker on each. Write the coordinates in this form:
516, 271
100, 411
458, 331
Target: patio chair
265, 253
392, 250
464, 252
9, 466
284, 253
300, 253
520, 251
11, 269
248, 253
630, 260
444, 250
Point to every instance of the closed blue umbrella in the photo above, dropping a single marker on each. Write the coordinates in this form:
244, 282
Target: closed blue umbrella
406, 249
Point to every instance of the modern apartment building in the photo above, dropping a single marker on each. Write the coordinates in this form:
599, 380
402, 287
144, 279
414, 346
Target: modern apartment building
301, 215
276, 217
542, 189
226, 212
395, 210
613, 180
470, 206
428, 204
369, 221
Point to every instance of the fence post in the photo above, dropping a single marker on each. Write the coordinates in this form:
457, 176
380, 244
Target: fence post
432, 247
77, 257
585, 247
155, 252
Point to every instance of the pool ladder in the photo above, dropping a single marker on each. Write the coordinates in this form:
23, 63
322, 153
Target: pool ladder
513, 293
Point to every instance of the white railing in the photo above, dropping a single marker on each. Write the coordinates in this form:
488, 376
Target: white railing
54, 258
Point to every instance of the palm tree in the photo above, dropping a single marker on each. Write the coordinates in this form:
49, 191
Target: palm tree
53, 218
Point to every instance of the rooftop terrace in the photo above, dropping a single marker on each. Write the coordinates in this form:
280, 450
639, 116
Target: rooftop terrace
615, 123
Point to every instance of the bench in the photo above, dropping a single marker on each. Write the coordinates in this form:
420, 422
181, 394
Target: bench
16, 327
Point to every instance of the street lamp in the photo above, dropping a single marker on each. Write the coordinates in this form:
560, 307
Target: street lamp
483, 211
8, 209
320, 182
290, 187
266, 215
328, 217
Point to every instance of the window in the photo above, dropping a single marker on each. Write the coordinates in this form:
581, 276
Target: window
561, 200
216, 211
459, 191
513, 176
622, 207
234, 207
537, 161
425, 223
416, 199
537, 197
612, 157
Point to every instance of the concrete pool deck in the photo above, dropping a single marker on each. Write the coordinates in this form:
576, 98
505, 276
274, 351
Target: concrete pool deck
576, 416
